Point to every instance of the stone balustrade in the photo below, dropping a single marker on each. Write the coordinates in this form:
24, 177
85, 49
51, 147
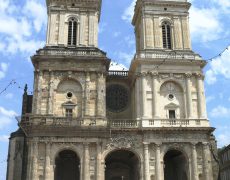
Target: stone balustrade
168, 55
118, 73
120, 123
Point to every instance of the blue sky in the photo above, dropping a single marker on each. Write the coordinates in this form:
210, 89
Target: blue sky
23, 31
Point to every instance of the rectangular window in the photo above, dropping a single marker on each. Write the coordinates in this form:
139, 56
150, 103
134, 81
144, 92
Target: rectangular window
69, 113
172, 114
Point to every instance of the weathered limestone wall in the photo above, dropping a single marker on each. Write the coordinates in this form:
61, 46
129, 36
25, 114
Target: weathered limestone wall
150, 152
87, 27
152, 90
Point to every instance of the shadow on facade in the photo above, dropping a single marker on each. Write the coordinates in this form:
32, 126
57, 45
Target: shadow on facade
122, 165
67, 166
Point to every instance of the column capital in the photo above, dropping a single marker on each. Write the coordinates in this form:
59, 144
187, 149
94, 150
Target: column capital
146, 143
154, 74
199, 76
86, 144
188, 75
158, 145
193, 144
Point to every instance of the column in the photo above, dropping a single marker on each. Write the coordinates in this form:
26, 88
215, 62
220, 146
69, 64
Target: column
99, 167
143, 84
146, 157
87, 93
200, 96
158, 172
35, 161
194, 162
47, 162
189, 95
86, 162
154, 95
207, 168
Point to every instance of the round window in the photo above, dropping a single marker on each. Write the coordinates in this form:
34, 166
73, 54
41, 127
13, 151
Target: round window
69, 95
171, 96
116, 98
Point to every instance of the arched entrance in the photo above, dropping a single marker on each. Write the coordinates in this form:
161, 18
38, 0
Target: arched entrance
122, 165
175, 166
67, 166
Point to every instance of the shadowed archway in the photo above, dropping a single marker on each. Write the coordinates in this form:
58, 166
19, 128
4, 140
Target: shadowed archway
122, 165
67, 166
175, 166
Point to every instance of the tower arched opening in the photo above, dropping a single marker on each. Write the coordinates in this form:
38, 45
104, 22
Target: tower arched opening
67, 165
122, 165
175, 166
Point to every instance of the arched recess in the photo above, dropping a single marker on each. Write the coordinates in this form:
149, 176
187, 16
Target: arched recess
122, 165
68, 99
67, 166
176, 166
172, 100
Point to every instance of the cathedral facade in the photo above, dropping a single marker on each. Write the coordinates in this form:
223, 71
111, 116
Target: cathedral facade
86, 122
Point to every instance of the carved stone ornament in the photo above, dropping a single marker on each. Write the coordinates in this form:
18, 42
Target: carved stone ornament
121, 142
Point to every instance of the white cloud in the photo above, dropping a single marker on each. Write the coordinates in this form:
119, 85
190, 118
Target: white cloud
38, 12
219, 66
224, 4
6, 117
223, 137
125, 57
205, 24
9, 96
4, 138
3, 70
129, 40
20, 25
116, 34
220, 111
129, 11
102, 27
209, 98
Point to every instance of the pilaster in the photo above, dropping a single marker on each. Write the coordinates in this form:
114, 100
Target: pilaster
87, 94
100, 168
86, 162
143, 84
207, 168
200, 96
146, 163
47, 168
158, 169
154, 95
189, 95
138, 86
194, 163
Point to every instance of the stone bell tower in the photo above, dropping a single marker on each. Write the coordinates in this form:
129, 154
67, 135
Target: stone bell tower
68, 98
168, 86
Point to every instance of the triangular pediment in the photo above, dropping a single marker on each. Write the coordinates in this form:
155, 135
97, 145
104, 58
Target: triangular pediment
171, 105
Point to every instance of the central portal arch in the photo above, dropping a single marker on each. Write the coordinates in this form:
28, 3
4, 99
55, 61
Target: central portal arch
122, 165
176, 166
67, 166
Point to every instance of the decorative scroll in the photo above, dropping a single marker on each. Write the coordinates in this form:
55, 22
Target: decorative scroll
121, 142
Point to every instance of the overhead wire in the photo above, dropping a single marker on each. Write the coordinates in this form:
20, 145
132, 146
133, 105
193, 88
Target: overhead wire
44, 89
